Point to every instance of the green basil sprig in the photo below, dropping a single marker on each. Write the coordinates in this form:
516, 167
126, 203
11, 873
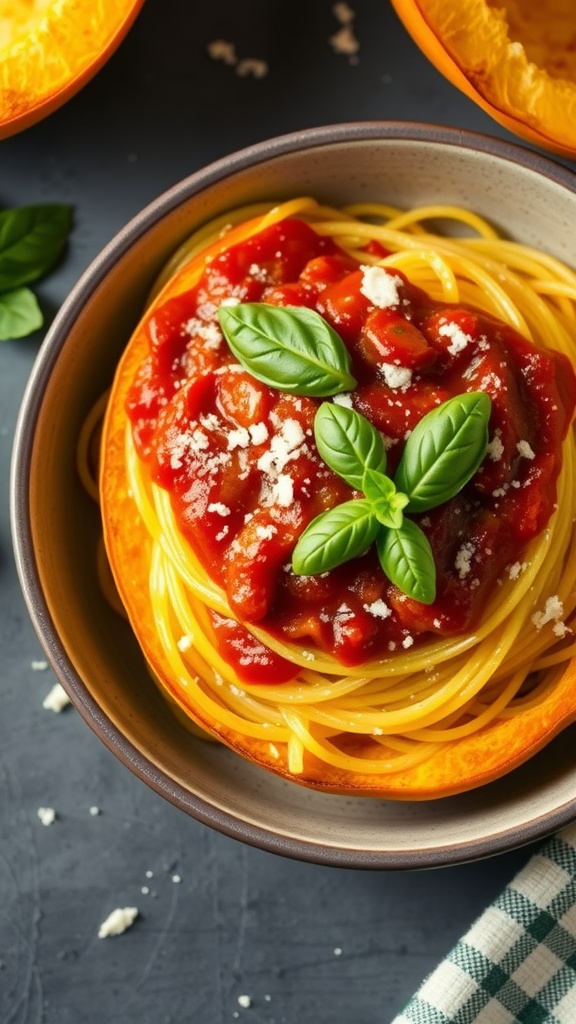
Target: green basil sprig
31, 239
287, 347
441, 455
348, 443
444, 450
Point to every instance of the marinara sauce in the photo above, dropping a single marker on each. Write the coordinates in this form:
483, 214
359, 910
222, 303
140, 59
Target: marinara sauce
239, 459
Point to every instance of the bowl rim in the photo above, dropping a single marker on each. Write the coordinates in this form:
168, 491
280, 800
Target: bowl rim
196, 806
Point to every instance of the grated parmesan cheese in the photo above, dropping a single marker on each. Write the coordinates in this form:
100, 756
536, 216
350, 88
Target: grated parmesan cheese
238, 438
57, 699
459, 340
516, 569
553, 612
283, 491
398, 378
344, 41
266, 532
252, 66
495, 448
344, 398
47, 815
463, 562
379, 287
220, 49
118, 921
525, 450
258, 433
379, 609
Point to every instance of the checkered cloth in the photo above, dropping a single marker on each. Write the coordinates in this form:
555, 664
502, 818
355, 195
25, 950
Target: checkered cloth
517, 964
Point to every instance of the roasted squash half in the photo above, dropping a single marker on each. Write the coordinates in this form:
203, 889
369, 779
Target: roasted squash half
515, 58
49, 49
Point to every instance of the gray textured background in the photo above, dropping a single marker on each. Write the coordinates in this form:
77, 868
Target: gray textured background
307, 944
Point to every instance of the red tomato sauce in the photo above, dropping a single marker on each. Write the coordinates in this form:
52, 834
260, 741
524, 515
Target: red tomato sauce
239, 459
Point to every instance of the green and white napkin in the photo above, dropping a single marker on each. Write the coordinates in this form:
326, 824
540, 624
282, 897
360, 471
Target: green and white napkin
517, 963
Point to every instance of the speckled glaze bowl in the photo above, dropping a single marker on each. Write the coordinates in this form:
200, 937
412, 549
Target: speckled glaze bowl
56, 527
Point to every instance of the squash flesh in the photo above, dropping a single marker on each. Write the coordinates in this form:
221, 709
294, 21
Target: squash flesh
516, 59
50, 48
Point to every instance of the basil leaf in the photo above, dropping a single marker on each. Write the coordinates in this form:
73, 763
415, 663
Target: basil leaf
348, 443
20, 314
444, 451
387, 503
334, 537
31, 238
406, 557
287, 347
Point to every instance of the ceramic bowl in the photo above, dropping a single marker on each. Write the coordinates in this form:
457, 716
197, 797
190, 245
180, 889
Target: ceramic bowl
56, 527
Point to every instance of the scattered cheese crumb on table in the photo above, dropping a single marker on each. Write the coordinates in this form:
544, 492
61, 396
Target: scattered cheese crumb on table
252, 66
222, 50
57, 699
118, 921
47, 815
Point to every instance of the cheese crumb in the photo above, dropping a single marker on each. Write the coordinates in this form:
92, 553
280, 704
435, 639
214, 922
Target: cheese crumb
38, 666
57, 699
219, 49
258, 433
219, 508
344, 398
344, 41
244, 1001
553, 612
379, 609
495, 448
525, 450
516, 569
184, 643
379, 287
238, 438
283, 491
94, 811
252, 66
343, 13
47, 815
459, 340
464, 559
118, 921
398, 378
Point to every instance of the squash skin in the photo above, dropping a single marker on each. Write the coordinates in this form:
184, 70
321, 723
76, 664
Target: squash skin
502, 86
41, 70
458, 766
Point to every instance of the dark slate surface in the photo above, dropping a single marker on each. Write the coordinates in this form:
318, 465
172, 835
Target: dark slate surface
307, 944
